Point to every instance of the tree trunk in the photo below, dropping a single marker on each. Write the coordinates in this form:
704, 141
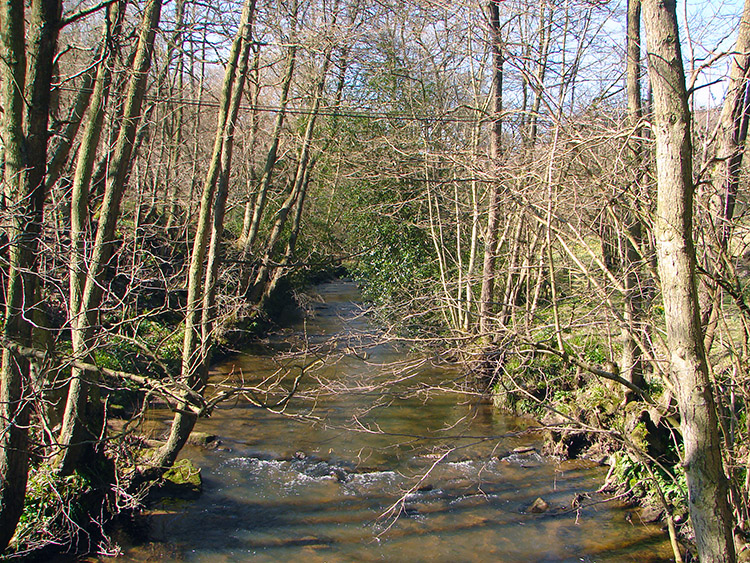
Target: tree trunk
707, 483
493, 218
631, 364
195, 346
731, 137
175, 122
25, 75
545, 34
258, 288
83, 319
252, 225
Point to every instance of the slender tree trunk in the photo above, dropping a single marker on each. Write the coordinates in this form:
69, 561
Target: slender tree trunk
253, 225
83, 320
267, 176
26, 68
730, 140
254, 80
174, 140
545, 34
512, 278
631, 364
198, 314
208, 314
493, 218
707, 483
294, 234
73, 426
258, 288
735, 115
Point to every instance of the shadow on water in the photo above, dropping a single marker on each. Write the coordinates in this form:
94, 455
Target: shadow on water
381, 458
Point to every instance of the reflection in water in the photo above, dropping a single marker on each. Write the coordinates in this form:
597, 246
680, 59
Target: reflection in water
380, 457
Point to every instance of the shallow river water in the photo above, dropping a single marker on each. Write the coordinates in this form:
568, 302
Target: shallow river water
380, 457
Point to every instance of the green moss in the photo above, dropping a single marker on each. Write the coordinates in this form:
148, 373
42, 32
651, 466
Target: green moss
184, 478
597, 397
639, 435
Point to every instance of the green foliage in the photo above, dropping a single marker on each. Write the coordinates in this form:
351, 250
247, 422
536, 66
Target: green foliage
592, 349
396, 263
636, 477
52, 508
544, 378
597, 397
164, 340
126, 354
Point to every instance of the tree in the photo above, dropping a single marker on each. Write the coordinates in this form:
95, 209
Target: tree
86, 294
725, 176
493, 217
707, 483
198, 338
631, 364
27, 58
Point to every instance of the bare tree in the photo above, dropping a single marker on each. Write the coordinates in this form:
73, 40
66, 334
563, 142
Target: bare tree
493, 215
201, 280
88, 293
631, 365
27, 57
707, 483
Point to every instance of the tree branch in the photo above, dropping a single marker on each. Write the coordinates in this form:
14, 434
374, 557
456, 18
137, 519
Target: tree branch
74, 17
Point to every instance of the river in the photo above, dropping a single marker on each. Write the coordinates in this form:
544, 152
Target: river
380, 456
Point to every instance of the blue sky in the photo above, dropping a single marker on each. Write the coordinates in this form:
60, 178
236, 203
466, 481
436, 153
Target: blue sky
708, 27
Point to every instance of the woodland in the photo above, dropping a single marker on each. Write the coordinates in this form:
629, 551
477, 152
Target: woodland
551, 193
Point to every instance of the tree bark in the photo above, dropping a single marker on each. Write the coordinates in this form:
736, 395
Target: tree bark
26, 69
707, 483
493, 218
631, 364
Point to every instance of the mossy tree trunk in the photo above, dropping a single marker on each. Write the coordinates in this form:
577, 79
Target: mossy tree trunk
86, 285
28, 43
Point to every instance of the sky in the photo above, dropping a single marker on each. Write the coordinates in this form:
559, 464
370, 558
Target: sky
708, 27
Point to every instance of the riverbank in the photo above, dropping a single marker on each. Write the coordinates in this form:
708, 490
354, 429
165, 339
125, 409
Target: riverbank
587, 417
76, 511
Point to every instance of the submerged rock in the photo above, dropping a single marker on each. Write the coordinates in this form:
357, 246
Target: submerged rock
203, 439
538, 506
651, 514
